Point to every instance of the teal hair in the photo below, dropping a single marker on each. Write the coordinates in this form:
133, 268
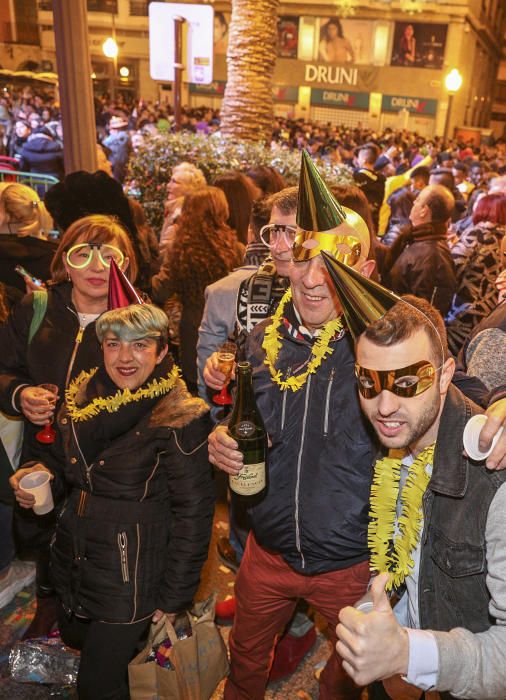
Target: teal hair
133, 323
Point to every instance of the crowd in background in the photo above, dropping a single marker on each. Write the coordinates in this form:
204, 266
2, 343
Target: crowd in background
31, 132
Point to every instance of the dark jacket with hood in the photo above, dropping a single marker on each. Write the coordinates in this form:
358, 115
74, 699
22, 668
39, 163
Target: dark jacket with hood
134, 531
43, 154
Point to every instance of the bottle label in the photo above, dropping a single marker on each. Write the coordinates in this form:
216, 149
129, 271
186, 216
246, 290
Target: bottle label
250, 480
245, 428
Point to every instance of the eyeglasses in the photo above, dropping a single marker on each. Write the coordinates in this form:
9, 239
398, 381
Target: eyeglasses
273, 234
406, 382
80, 255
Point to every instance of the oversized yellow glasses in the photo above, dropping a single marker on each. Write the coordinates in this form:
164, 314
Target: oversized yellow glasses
81, 254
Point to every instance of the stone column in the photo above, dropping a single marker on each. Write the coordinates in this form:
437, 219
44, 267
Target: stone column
76, 93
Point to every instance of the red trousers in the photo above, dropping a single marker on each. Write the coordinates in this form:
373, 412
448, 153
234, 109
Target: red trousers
266, 591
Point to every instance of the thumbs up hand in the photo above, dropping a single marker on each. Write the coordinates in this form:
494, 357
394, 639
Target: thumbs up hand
373, 646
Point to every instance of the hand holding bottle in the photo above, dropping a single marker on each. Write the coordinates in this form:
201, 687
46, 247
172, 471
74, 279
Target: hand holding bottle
224, 452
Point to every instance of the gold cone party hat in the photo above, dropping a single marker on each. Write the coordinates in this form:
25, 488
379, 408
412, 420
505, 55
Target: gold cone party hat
363, 300
317, 208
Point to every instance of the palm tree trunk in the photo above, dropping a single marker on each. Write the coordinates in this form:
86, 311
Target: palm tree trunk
247, 109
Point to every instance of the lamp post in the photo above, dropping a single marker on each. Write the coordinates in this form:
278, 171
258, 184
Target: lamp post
110, 49
453, 83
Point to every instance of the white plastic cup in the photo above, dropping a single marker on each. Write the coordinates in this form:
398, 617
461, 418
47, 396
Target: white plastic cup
38, 484
472, 435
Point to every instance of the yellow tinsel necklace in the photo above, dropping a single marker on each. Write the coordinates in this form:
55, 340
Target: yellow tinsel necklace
272, 346
389, 553
111, 404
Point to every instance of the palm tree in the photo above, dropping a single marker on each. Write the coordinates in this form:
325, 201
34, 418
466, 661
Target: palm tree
247, 108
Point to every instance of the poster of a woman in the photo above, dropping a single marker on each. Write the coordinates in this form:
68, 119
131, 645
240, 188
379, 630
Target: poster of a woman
334, 47
407, 46
220, 39
419, 45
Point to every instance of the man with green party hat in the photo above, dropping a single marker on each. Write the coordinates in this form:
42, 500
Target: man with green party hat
436, 517
308, 536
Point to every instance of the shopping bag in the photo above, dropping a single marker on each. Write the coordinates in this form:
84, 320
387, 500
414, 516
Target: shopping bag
197, 663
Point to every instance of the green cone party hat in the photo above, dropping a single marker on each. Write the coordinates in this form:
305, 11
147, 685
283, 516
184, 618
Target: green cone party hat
363, 300
317, 208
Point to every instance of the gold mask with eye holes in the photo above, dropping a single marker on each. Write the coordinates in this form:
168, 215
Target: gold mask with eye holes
343, 242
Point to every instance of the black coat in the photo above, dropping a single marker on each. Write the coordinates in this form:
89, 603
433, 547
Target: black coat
134, 532
53, 356
425, 268
43, 155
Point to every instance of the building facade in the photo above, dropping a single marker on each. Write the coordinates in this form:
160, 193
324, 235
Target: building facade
371, 62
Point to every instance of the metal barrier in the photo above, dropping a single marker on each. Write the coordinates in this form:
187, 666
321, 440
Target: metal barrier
40, 183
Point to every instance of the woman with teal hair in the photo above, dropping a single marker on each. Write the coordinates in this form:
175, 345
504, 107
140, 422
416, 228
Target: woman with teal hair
134, 531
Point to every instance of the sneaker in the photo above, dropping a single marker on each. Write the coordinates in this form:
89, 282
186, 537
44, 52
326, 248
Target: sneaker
225, 612
227, 553
20, 575
289, 653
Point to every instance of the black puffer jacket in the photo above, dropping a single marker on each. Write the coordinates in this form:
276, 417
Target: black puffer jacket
57, 353
42, 154
315, 511
134, 532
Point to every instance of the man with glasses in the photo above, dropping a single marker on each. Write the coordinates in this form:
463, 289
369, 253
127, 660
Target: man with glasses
308, 536
438, 523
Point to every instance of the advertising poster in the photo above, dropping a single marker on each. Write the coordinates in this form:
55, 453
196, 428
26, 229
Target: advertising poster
288, 36
344, 99
419, 45
221, 22
345, 40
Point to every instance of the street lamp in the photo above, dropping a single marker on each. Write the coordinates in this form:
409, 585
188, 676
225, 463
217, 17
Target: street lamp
110, 49
453, 83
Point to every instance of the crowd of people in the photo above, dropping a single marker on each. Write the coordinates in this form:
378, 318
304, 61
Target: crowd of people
373, 316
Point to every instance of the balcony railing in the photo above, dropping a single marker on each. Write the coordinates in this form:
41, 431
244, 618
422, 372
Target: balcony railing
139, 8
108, 6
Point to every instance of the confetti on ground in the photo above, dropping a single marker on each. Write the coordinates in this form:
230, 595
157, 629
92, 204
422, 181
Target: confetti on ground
224, 569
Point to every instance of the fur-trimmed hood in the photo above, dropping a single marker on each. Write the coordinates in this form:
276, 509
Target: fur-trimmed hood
177, 408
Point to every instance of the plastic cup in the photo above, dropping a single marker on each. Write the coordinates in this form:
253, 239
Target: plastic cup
472, 435
38, 484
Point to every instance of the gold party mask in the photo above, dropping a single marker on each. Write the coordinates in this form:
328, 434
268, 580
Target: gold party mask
405, 382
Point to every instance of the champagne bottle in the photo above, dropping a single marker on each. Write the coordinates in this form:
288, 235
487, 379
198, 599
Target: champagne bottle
247, 429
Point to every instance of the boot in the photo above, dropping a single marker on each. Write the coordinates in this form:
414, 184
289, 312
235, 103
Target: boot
46, 617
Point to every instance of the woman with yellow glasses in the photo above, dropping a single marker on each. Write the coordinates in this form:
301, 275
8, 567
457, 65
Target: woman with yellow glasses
50, 338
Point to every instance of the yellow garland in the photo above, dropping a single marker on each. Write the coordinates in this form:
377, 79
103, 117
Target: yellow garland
157, 387
272, 346
384, 493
